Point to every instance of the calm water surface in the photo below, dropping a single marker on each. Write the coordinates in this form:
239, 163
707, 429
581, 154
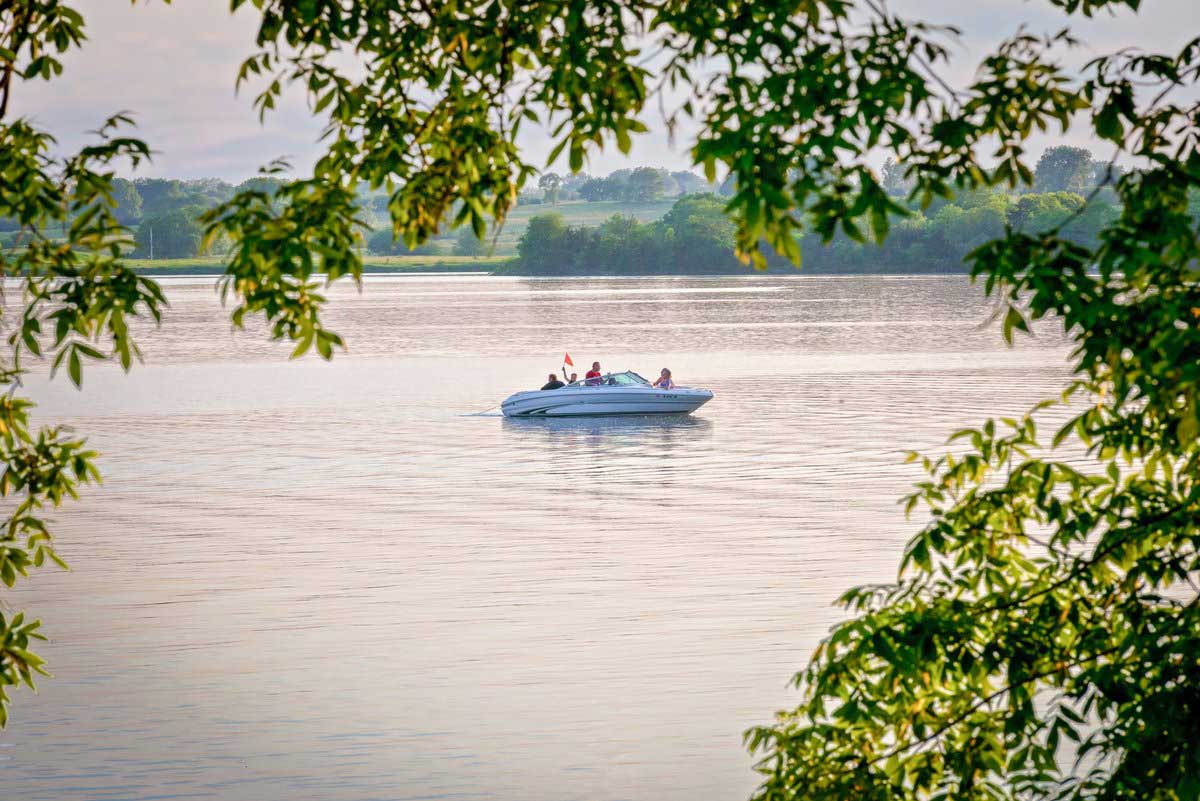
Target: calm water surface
327, 581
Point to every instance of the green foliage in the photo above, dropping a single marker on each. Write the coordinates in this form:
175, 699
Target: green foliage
75, 306
170, 235
1064, 169
687, 183
1047, 611
266, 184
700, 231
550, 183
1043, 638
640, 185
1076, 219
597, 189
1044, 613
542, 242
696, 236
129, 202
41, 469
382, 242
645, 184
1043, 211
78, 296
894, 181
160, 194
280, 249
467, 244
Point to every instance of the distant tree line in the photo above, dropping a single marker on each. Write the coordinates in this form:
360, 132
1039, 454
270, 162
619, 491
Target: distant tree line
1060, 169
462, 242
938, 239
696, 238
163, 212
633, 185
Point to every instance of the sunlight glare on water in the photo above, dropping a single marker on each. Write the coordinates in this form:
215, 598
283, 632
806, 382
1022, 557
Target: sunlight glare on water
334, 581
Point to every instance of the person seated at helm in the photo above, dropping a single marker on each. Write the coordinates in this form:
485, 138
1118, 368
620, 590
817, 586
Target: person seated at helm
664, 380
592, 377
553, 383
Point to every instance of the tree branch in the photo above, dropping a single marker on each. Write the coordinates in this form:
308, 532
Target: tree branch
973, 708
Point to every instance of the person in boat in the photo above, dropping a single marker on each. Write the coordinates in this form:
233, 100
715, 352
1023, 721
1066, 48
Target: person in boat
664, 380
592, 377
574, 377
553, 383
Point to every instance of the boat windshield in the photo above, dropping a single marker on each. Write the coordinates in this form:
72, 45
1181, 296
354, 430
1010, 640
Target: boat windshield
625, 379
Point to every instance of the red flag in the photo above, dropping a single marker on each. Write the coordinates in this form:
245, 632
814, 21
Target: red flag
567, 359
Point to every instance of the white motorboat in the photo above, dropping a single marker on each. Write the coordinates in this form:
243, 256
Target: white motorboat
614, 393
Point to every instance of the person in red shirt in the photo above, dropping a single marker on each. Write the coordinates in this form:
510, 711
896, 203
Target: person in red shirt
592, 377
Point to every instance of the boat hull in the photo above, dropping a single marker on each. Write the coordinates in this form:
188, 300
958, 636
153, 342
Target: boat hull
598, 401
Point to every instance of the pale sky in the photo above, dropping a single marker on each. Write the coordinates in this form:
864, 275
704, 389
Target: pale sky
174, 67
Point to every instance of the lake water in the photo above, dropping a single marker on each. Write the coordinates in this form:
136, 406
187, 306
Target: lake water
329, 581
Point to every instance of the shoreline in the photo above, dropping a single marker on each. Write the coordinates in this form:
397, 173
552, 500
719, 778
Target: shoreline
368, 269
213, 271
779, 276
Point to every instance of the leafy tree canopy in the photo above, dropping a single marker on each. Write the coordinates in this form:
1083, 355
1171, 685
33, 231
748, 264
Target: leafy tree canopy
159, 192
594, 189
382, 242
700, 225
1034, 578
542, 230
688, 182
640, 185
696, 236
893, 178
170, 235
467, 244
261, 183
128, 201
550, 183
1064, 169
645, 184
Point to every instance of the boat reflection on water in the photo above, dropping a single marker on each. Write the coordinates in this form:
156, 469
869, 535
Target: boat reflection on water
621, 457
650, 429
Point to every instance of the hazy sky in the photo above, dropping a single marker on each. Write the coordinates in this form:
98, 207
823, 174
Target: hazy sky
174, 67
